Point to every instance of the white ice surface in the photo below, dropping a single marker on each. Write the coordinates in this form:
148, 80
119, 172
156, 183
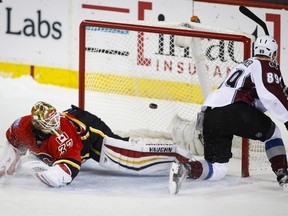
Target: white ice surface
96, 191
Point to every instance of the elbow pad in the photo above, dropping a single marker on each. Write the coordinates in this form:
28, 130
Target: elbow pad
53, 176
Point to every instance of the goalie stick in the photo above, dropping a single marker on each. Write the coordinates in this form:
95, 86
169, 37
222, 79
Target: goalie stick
244, 10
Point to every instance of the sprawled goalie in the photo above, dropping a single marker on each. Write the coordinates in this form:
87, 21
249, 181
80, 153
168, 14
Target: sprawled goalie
63, 141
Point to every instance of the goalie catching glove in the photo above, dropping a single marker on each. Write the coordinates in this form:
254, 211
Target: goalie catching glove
53, 176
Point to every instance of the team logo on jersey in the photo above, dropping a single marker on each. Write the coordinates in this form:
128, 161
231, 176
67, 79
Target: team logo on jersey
64, 141
62, 138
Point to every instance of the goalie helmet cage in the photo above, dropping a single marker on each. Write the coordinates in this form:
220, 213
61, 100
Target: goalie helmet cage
102, 57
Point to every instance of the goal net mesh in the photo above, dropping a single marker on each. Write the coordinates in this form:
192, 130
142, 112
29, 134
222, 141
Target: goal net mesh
140, 77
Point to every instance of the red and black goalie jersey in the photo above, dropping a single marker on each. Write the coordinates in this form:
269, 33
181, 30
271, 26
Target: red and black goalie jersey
64, 148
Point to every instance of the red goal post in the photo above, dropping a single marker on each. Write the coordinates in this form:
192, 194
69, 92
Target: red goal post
101, 53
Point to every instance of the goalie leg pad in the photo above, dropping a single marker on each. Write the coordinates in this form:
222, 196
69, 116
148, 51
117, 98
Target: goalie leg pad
184, 133
138, 157
181, 131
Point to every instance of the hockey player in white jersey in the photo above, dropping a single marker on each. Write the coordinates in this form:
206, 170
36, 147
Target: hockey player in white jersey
237, 108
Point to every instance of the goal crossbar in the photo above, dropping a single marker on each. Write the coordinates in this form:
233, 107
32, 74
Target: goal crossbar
159, 30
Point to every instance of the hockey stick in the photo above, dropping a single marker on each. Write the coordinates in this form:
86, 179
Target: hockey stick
244, 10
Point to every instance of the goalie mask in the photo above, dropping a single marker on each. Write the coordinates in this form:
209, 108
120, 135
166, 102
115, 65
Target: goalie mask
45, 117
266, 46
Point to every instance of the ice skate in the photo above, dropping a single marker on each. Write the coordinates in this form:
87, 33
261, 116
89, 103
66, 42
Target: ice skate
282, 178
178, 173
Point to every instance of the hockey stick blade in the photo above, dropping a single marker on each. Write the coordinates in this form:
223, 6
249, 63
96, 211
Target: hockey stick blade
244, 10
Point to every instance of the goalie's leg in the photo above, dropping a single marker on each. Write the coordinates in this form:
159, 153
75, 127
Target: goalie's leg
140, 158
185, 133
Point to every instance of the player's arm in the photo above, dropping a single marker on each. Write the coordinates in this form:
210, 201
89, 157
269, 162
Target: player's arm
53, 176
17, 134
66, 166
65, 147
9, 160
14, 147
64, 169
270, 92
58, 175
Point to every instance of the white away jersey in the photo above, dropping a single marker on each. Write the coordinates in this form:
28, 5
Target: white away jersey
255, 82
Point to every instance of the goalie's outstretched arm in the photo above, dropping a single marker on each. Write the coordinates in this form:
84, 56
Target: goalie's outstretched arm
54, 176
9, 160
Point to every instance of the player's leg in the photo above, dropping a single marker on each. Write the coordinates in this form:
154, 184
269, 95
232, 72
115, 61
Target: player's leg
92, 130
196, 170
276, 153
258, 126
217, 151
91, 121
140, 158
254, 124
245, 121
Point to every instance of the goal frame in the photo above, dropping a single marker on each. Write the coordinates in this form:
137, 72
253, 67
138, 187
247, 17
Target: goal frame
161, 30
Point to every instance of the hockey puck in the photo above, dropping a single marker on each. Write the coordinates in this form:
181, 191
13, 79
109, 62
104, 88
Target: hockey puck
153, 106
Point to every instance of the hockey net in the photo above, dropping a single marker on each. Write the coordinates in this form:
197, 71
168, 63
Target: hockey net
140, 78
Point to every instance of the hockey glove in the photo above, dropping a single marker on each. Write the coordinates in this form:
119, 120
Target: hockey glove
53, 176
